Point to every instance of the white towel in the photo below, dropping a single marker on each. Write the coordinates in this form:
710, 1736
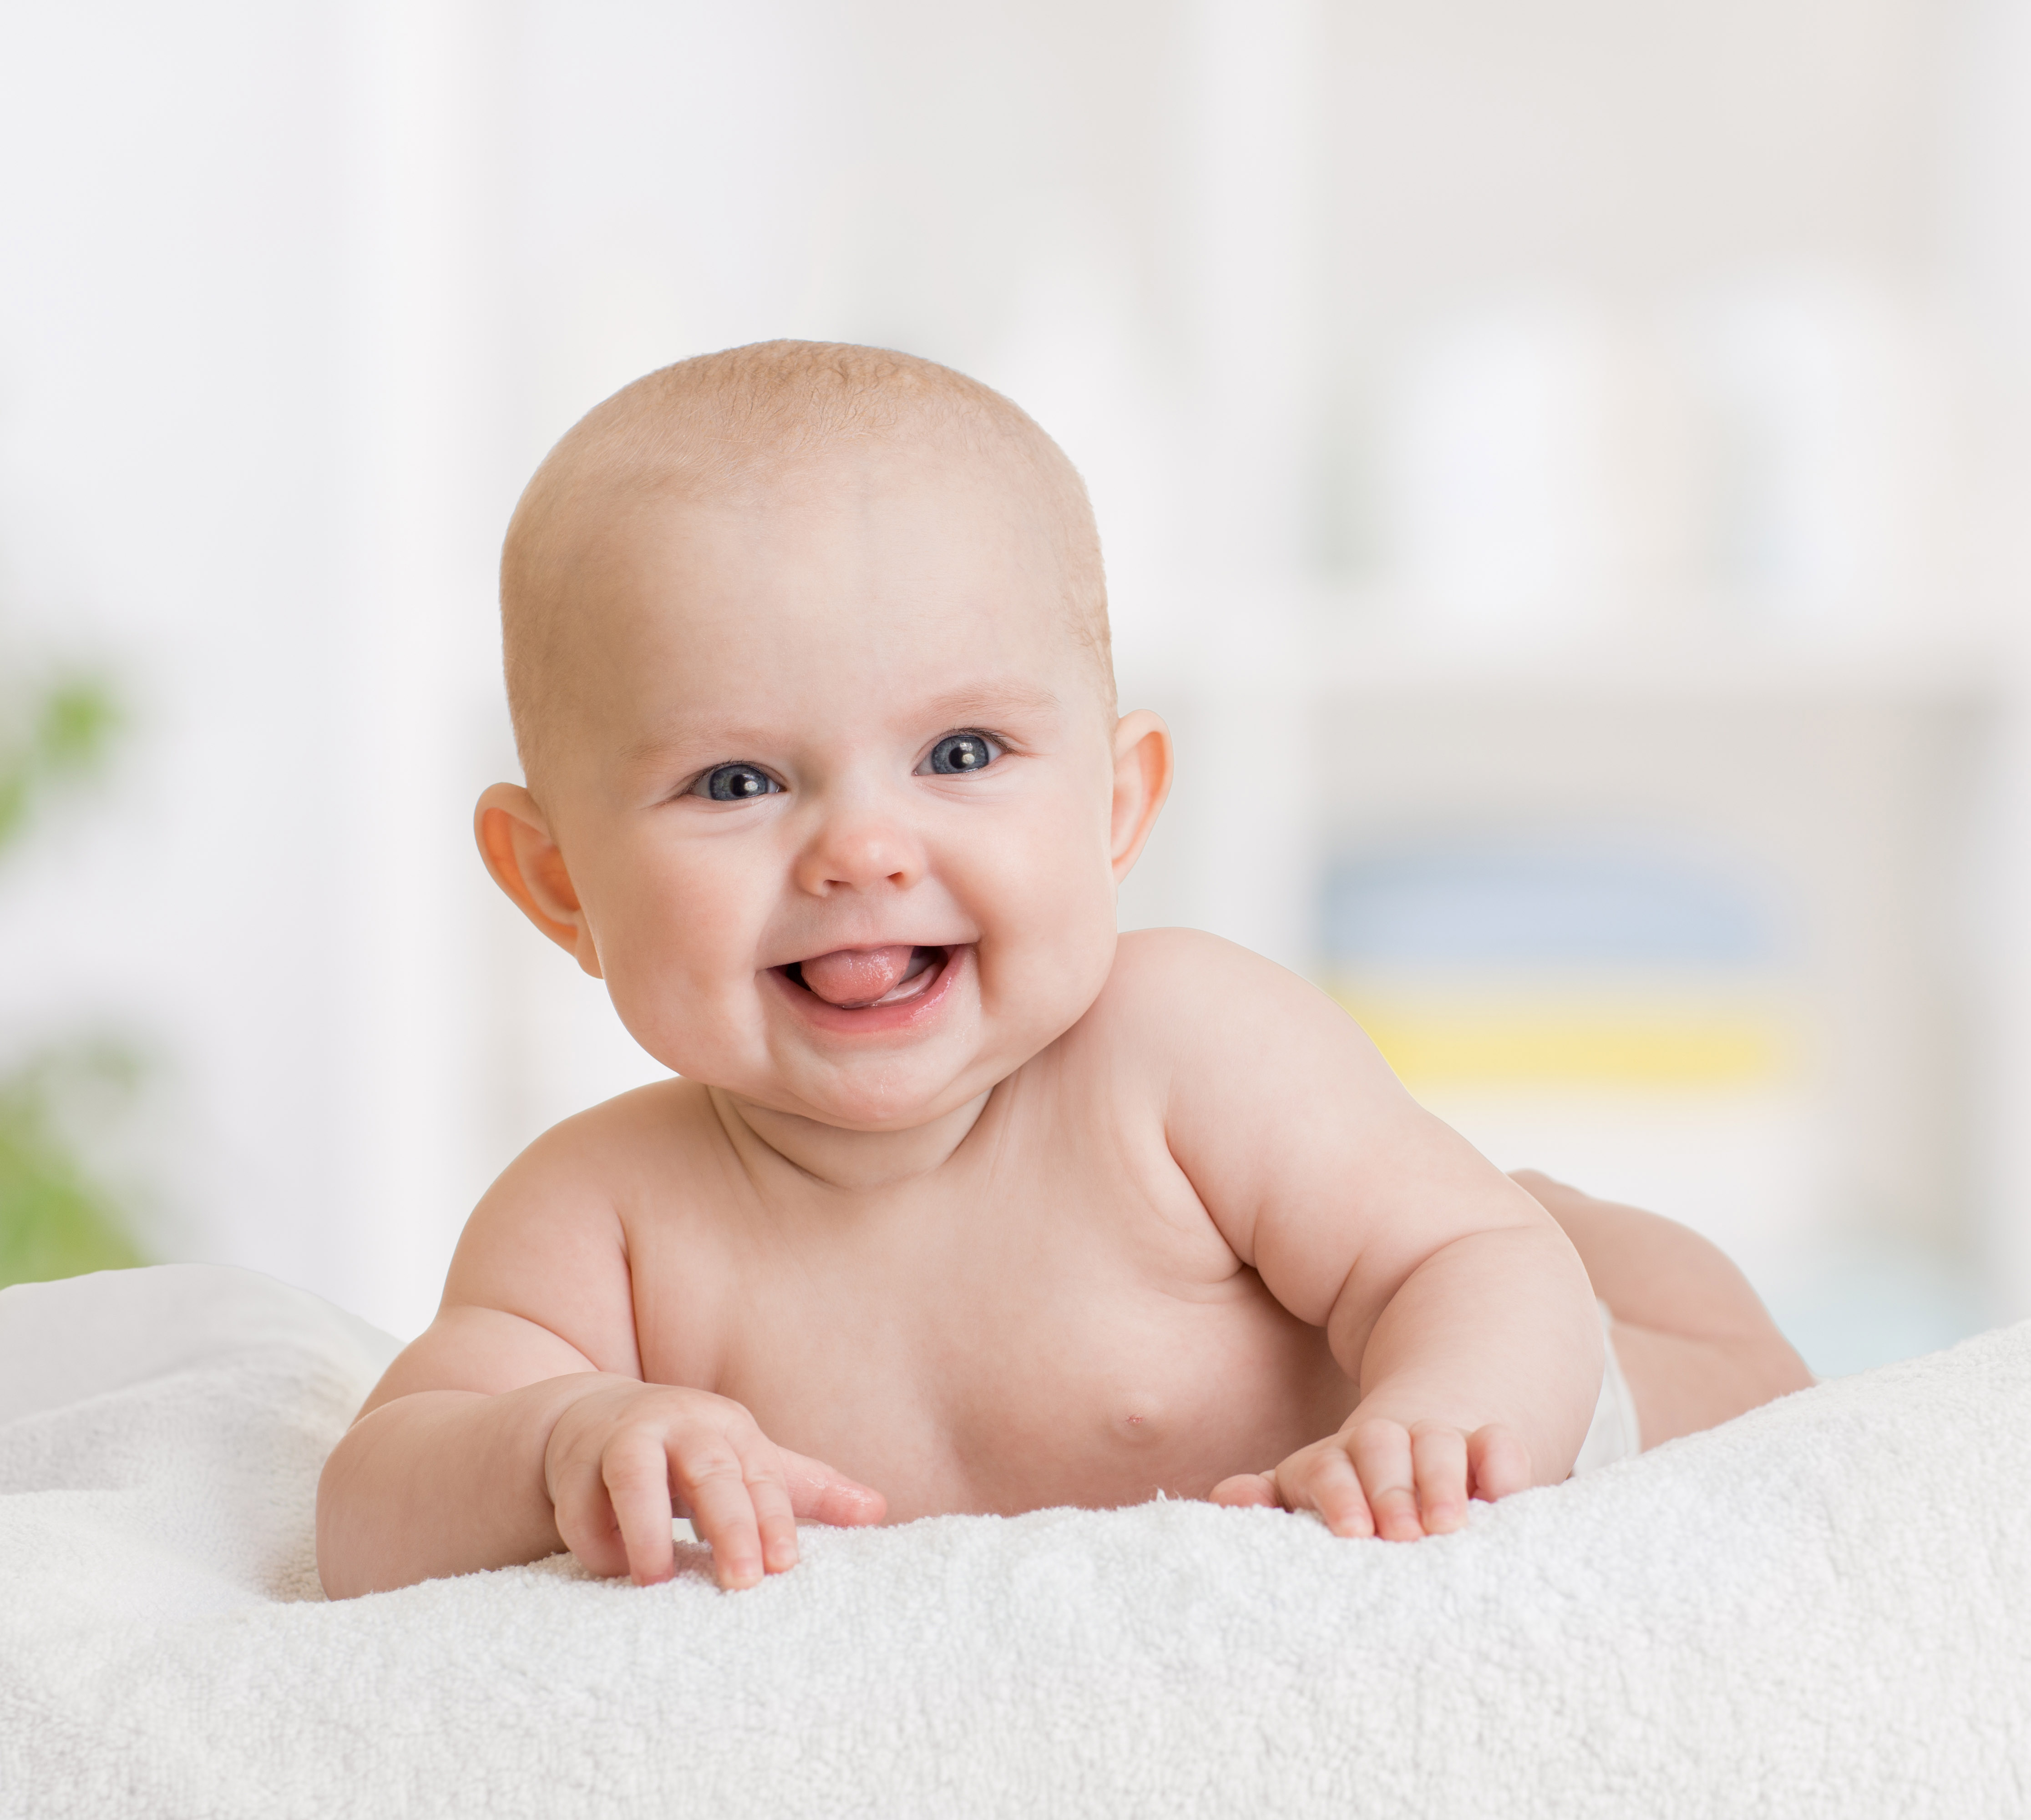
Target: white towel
1822, 1609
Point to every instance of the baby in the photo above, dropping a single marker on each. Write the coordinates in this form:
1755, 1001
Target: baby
962, 1202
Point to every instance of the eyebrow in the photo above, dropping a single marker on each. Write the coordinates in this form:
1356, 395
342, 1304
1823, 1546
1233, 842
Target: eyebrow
990, 702
652, 748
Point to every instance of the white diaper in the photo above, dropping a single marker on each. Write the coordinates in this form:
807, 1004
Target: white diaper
1613, 1434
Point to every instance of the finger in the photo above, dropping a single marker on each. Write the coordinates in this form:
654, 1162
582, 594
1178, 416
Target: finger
708, 1473
1244, 1489
775, 1521
818, 1492
637, 1478
1323, 1479
1438, 1468
1498, 1463
584, 1517
1381, 1455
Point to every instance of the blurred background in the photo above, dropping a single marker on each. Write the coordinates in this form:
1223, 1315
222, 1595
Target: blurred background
1565, 473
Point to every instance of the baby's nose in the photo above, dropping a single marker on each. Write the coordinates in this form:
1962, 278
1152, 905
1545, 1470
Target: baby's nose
853, 977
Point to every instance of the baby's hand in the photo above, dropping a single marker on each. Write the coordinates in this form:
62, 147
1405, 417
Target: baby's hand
626, 1458
1377, 1477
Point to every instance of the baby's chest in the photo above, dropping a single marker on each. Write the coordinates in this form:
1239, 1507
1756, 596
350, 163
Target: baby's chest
1023, 1355
1114, 1392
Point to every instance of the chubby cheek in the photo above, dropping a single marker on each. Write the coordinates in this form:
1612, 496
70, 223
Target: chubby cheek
676, 940
1045, 907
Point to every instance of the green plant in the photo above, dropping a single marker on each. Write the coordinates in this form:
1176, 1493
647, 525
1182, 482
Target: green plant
57, 1218
63, 736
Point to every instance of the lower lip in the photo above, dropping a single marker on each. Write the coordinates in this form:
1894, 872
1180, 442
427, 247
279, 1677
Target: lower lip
873, 1020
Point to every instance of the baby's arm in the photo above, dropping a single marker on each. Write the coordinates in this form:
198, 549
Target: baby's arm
518, 1424
1447, 1294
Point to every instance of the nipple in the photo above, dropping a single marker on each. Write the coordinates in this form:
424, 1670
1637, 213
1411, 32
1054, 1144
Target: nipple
852, 977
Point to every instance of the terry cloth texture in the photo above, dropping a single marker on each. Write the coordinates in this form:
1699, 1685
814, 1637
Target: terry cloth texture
1823, 1608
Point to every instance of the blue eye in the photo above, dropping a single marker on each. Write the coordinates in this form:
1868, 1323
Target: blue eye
736, 784
958, 753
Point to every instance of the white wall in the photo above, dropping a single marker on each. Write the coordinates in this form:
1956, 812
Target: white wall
174, 348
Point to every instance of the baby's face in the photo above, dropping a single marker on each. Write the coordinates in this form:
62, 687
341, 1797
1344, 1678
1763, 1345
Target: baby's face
844, 831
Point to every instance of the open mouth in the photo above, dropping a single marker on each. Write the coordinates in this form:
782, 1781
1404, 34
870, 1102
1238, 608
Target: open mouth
857, 979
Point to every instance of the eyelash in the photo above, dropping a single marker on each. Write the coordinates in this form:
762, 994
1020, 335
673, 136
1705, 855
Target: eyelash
701, 784
997, 749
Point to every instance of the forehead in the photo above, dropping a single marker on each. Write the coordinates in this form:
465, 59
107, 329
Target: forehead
885, 572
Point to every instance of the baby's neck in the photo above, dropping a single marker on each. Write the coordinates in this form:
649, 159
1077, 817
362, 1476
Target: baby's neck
856, 1162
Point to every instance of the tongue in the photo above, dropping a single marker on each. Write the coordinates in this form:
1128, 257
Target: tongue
856, 977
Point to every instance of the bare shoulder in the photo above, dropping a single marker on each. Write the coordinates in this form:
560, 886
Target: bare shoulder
541, 1285
1157, 960
1233, 1050
1319, 1171
1187, 1001
548, 1242
1275, 1104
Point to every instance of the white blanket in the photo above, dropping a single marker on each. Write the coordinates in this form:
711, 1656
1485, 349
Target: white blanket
1822, 1609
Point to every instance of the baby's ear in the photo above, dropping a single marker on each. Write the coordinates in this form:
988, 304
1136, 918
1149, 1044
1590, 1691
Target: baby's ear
1142, 781
516, 841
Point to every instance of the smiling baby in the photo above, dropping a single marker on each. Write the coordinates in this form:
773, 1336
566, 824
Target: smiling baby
961, 1201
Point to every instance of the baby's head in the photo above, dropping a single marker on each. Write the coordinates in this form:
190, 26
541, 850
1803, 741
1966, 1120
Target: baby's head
807, 650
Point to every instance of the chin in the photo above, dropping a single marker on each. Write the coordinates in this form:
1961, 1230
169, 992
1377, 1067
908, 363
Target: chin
887, 1105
